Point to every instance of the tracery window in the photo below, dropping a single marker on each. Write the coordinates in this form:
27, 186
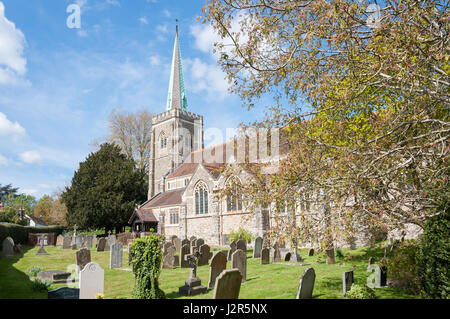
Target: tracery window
201, 198
234, 201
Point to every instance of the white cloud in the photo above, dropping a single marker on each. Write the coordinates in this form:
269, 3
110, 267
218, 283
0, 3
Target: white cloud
30, 157
12, 42
167, 13
3, 160
162, 28
143, 20
31, 192
8, 128
208, 78
155, 60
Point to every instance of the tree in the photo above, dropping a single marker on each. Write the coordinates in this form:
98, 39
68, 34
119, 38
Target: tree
132, 133
7, 190
16, 206
104, 190
361, 93
51, 209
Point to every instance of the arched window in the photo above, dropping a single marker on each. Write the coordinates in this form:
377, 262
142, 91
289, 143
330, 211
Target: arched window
201, 198
234, 200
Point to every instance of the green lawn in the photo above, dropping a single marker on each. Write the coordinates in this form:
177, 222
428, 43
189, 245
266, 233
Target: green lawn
273, 281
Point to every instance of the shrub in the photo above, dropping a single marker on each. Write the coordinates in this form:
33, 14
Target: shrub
40, 285
20, 233
361, 292
146, 259
402, 266
33, 271
433, 257
339, 253
246, 235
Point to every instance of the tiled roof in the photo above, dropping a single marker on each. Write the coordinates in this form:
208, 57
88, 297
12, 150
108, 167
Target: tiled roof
183, 170
165, 199
144, 215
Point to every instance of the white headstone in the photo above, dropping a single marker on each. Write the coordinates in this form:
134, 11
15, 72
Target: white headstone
92, 279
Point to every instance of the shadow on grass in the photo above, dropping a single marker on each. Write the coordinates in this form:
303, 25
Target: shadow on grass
14, 283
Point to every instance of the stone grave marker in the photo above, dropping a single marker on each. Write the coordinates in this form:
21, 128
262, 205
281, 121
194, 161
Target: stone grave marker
90, 241
8, 247
42, 251
59, 240
64, 293
239, 261
101, 244
172, 238
329, 253
115, 256
232, 249
218, 264
166, 246
169, 258
206, 254
194, 247
276, 254
257, 247
192, 285
242, 245
347, 281
83, 257
186, 242
311, 252
306, 285
177, 244
199, 242
55, 276
184, 252
377, 277
79, 241
67, 241
92, 279
265, 256
228, 284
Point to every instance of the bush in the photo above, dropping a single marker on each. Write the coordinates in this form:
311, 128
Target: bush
40, 285
402, 266
433, 257
33, 271
246, 235
361, 292
146, 259
20, 233
339, 253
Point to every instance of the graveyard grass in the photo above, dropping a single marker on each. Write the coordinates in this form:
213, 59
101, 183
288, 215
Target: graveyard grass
272, 281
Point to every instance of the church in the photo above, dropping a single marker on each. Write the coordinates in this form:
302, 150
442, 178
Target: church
184, 176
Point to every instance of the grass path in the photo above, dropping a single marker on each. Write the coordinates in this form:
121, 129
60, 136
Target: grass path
272, 281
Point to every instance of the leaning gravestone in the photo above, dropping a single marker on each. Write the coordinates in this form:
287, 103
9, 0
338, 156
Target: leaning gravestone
265, 256
92, 279
83, 258
8, 247
228, 284
257, 247
239, 261
101, 244
218, 264
64, 293
306, 285
242, 245
205, 254
347, 281
232, 249
67, 241
184, 252
115, 256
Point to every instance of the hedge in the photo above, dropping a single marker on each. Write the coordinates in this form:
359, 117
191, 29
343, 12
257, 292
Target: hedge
20, 233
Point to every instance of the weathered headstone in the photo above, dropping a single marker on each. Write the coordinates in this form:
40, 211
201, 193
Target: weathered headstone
59, 240
265, 256
239, 261
92, 279
67, 242
172, 238
185, 242
306, 285
101, 244
90, 240
166, 246
206, 254
8, 247
200, 242
184, 252
79, 241
115, 257
42, 251
347, 281
169, 258
330, 256
228, 284
232, 249
55, 276
64, 293
218, 264
311, 252
257, 247
276, 254
194, 247
192, 238
192, 285
83, 257
378, 276
242, 245
177, 244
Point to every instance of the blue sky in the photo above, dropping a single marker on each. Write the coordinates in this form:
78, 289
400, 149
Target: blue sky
58, 85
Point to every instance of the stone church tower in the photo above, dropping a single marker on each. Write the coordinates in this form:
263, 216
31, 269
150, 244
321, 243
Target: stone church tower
175, 132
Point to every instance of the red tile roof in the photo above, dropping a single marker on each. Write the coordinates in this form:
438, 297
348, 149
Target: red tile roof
183, 170
144, 215
165, 199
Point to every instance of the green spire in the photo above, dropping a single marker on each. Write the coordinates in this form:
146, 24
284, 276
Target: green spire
176, 98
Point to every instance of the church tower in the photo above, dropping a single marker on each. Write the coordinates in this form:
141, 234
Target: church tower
175, 132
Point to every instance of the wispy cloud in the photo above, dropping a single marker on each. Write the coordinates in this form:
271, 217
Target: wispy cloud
8, 128
30, 157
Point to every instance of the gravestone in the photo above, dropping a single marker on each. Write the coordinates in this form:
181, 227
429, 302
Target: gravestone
115, 256
265, 256
330, 256
288, 256
192, 238
284, 252
378, 276
55, 276
228, 284
177, 244
64, 293
306, 285
184, 252
276, 254
218, 264
169, 259
90, 240
239, 261
206, 254
257, 247
59, 240
199, 242
92, 279
101, 244
166, 246
185, 242
42, 251
67, 242
79, 241
172, 238
194, 247
83, 257
347, 281
8, 247
232, 249
311, 252
242, 245
192, 285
